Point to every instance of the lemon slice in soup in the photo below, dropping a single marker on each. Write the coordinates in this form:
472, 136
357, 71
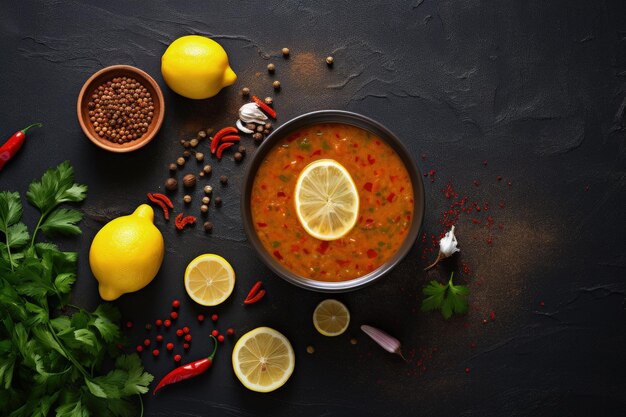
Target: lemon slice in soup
327, 201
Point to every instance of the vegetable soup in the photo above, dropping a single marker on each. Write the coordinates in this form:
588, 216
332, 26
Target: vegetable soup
385, 203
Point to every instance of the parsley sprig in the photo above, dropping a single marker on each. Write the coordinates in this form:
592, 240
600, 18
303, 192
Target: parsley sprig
51, 363
448, 298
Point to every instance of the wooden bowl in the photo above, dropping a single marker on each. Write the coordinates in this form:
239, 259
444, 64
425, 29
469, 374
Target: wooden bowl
107, 74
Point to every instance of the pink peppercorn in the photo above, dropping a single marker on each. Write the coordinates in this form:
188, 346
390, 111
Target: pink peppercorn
185, 329
220, 338
179, 333
230, 331
146, 342
188, 337
129, 324
467, 370
159, 338
177, 358
214, 317
139, 348
148, 327
186, 346
200, 318
169, 346
158, 322
214, 333
174, 315
155, 352
175, 303
167, 323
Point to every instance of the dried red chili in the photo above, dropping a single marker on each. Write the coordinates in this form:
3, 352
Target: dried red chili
253, 291
219, 135
162, 204
222, 148
164, 199
180, 222
189, 370
254, 299
267, 109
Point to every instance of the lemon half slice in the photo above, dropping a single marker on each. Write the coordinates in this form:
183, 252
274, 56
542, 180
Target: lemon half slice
331, 317
209, 279
327, 201
263, 359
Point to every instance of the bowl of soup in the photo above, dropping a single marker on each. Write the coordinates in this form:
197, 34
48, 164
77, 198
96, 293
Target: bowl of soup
389, 212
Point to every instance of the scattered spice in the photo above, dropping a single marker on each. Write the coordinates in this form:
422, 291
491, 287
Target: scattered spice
174, 315
257, 137
158, 323
171, 184
187, 338
177, 358
353, 341
206, 200
188, 371
207, 189
200, 318
310, 350
121, 110
159, 338
170, 346
218, 201
214, 317
175, 304
220, 338
189, 181
155, 352
230, 331
199, 156
219, 135
208, 226
167, 323
238, 156
387, 342
193, 142
186, 346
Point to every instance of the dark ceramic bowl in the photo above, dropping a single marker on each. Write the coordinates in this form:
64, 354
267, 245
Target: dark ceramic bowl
342, 117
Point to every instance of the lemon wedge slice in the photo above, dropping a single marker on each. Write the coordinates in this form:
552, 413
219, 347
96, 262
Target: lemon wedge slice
263, 359
331, 317
209, 279
327, 201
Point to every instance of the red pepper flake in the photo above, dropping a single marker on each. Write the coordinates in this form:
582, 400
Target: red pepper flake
317, 152
431, 174
510, 184
278, 255
390, 197
169, 346
281, 194
476, 183
490, 241
499, 178
368, 186
485, 162
266, 109
186, 330
541, 303
261, 224
587, 188
323, 247
175, 304
371, 253
467, 370
129, 324
502, 204
370, 159
222, 148
492, 315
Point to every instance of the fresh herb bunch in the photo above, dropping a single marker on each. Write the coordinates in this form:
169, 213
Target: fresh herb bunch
50, 363
448, 298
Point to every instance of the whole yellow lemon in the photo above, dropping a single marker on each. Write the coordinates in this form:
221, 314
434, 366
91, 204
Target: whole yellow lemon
196, 67
126, 253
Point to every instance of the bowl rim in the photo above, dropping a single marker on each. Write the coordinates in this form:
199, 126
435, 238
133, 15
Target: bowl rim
140, 74
353, 119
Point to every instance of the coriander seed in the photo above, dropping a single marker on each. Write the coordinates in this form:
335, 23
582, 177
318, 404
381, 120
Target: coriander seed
257, 137
268, 125
186, 143
173, 167
224, 179
186, 154
330, 60
266, 132
285, 52
201, 174
271, 68
182, 142
238, 156
276, 85
206, 200
201, 134
193, 143
260, 128
180, 161
171, 184
204, 208
207, 169
208, 189
199, 156
268, 100
208, 226
187, 199
250, 126
245, 91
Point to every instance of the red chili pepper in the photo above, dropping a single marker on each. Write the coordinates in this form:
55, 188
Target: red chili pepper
368, 186
219, 135
162, 204
178, 221
254, 299
231, 138
15, 142
188, 371
222, 148
267, 109
254, 290
164, 199
188, 220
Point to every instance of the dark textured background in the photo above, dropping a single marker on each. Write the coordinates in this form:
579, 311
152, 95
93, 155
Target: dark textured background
535, 88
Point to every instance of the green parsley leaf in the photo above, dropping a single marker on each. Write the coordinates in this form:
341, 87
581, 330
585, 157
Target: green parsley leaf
55, 187
63, 282
450, 299
62, 221
16, 235
138, 380
10, 209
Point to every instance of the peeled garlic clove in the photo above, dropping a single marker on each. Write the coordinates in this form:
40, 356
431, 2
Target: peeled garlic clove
242, 128
250, 113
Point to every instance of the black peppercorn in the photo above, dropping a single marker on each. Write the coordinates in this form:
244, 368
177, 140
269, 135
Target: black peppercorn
251, 126
224, 179
238, 156
242, 149
218, 201
182, 142
259, 128
257, 137
171, 184
186, 143
208, 226
186, 154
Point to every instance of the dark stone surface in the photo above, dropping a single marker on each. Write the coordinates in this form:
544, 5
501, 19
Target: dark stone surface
535, 88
